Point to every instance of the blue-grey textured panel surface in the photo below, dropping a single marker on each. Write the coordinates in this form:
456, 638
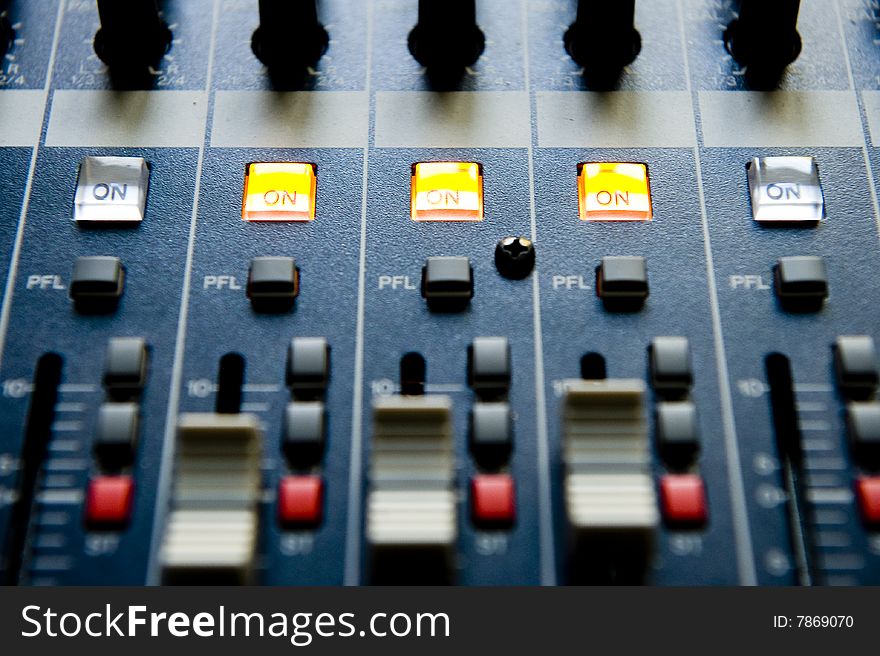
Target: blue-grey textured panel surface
710, 271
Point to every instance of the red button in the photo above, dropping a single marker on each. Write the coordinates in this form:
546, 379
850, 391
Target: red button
493, 499
300, 500
683, 499
868, 491
109, 501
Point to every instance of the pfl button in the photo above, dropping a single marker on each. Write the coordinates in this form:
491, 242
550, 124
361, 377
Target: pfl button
273, 283
622, 282
801, 283
447, 282
97, 283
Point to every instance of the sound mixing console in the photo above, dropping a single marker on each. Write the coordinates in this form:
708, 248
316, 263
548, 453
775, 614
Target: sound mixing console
524, 292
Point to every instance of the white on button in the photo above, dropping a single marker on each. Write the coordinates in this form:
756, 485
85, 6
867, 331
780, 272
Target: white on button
786, 189
112, 189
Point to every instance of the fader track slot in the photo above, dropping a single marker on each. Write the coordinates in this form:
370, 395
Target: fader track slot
790, 450
38, 433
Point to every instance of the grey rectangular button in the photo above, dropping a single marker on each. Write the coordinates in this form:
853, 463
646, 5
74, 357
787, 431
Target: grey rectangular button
623, 277
111, 189
308, 364
804, 277
101, 277
671, 369
491, 437
273, 278
116, 433
489, 365
125, 366
447, 278
864, 422
677, 431
856, 362
304, 430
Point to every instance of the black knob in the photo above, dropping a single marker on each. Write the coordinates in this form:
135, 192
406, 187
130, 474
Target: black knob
515, 257
6, 33
290, 38
764, 37
603, 38
447, 37
133, 36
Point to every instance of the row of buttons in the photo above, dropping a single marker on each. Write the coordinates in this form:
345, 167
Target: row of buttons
682, 491
801, 282
301, 493
783, 189
110, 495
273, 282
412, 499
682, 495
489, 374
858, 376
493, 488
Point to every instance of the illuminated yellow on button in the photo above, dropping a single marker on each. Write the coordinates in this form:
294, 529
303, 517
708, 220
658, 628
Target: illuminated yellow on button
447, 191
280, 192
611, 191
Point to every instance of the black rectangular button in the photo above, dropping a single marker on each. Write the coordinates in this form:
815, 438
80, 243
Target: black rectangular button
489, 365
491, 434
671, 369
273, 278
801, 282
863, 422
304, 432
856, 360
677, 432
447, 279
622, 282
97, 278
308, 365
116, 435
125, 366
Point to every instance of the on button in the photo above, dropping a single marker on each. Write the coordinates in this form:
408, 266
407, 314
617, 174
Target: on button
280, 192
614, 191
786, 190
447, 191
111, 189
